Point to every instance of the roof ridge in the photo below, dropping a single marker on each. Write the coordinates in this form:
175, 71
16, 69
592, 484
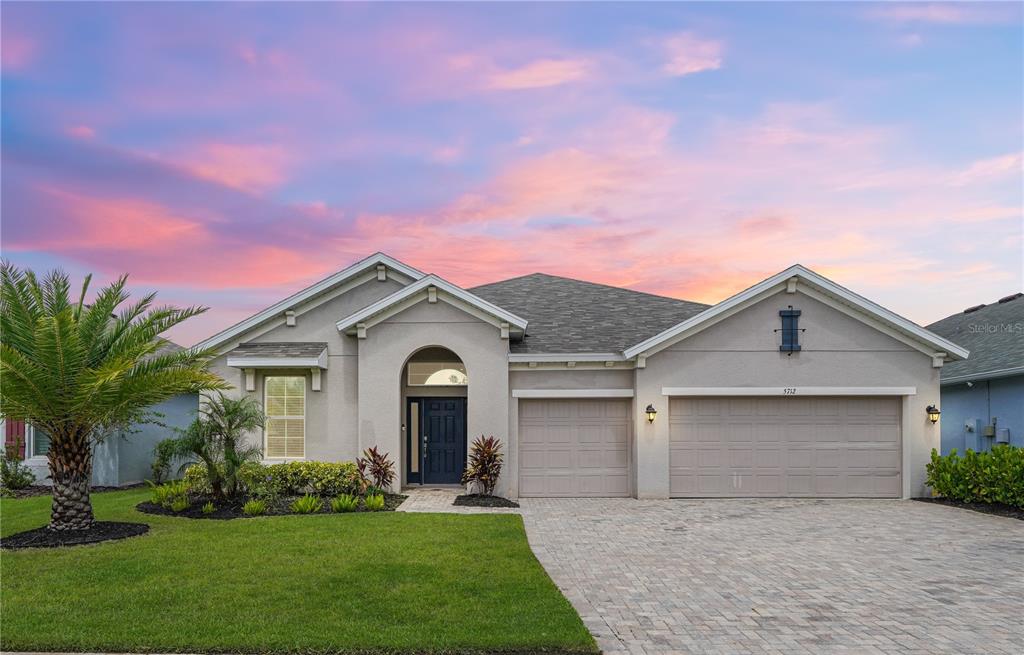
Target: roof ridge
595, 284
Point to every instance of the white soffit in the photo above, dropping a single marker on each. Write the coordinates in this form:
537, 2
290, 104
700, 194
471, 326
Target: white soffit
932, 342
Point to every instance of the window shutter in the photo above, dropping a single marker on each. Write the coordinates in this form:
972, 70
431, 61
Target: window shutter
790, 330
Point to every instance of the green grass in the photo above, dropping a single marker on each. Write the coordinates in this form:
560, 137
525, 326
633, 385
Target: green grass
377, 582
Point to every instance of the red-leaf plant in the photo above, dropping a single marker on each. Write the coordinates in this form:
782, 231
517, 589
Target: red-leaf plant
380, 468
484, 465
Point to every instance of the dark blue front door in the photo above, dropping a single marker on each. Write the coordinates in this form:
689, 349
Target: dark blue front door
443, 435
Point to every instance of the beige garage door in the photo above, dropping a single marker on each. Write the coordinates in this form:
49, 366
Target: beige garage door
776, 446
574, 447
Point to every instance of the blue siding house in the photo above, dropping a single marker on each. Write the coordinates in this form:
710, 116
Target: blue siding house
983, 396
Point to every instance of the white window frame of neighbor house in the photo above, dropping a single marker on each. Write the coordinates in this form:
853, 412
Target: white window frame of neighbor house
285, 417
30, 445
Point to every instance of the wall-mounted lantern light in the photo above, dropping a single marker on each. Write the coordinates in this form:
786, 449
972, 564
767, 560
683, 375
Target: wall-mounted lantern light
651, 413
933, 413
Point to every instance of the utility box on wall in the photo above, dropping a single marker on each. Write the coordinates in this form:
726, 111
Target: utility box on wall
1003, 435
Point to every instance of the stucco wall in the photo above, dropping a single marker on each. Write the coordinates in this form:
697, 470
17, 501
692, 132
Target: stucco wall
743, 351
387, 347
332, 412
1002, 398
135, 450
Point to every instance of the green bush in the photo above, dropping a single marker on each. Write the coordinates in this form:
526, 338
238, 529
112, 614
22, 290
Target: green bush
996, 476
345, 503
374, 502
209, 507
170, 494
163, 457
308, 504
254, 507
14, 474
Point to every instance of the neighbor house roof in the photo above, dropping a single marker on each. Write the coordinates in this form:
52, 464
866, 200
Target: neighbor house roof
573, 316
993, 333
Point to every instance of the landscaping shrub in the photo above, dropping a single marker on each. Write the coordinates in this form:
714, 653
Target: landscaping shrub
345, 503
180, 504
484, 466
209, 507
254, 507
163, 457
374, 502
289, 478
380, 468
308, 504
170, 494
13, 473
996, 476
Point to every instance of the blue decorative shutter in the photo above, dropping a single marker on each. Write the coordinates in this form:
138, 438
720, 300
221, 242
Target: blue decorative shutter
790, 330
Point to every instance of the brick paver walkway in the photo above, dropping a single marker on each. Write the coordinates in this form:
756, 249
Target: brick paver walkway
440, 499
785, 576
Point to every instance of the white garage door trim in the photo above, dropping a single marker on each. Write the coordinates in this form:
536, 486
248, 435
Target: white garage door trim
725, 439
575, 447
572, 393
789, 391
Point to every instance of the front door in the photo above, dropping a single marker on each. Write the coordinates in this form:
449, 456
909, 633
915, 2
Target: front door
442, 434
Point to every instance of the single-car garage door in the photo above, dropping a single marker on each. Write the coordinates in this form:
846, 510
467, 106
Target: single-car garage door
785, 446
574, 447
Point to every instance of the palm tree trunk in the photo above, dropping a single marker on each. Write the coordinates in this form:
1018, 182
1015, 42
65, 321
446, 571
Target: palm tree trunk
71, 471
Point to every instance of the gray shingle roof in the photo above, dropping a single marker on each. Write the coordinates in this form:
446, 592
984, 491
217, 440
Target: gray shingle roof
572, 316
282, 349
994, 334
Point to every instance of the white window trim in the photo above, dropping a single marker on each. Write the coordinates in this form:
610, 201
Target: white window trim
30, 446
271, 460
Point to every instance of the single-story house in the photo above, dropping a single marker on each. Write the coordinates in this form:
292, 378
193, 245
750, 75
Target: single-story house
793, 387
120, 459
983, 396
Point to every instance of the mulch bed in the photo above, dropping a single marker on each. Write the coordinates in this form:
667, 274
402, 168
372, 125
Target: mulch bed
999, 509
99, 531
227, 510
468, 500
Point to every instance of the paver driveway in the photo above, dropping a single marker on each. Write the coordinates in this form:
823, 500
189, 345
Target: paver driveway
785, 576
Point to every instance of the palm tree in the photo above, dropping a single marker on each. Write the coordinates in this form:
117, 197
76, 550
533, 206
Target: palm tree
81, 372
217, 438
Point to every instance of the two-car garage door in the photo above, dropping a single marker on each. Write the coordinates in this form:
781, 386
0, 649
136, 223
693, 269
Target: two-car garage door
575, 447
785, 446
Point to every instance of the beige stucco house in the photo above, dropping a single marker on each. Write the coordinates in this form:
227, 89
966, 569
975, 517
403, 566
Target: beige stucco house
794, 387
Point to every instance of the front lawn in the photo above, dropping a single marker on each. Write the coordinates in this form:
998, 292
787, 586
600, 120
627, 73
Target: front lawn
349, 582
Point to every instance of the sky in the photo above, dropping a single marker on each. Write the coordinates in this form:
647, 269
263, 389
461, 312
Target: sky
228, 155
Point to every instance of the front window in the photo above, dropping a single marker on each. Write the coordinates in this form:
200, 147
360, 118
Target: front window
437, 374
285, 405
40, 443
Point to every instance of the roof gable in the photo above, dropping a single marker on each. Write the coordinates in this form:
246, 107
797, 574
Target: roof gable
822, 288
425, 288
323, 287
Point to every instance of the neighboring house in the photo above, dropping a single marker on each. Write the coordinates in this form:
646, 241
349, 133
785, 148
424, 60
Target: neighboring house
119, 459
983, 396
794, 387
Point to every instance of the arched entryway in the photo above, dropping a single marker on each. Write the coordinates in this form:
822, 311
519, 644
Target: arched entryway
435, 383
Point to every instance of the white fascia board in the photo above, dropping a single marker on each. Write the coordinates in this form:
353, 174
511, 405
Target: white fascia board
572, 393
789, 391
370, 263
389, 302
984, 375
779, 281
566, 357
319, 361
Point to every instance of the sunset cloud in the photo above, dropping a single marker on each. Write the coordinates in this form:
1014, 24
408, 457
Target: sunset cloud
540, 74
687, 53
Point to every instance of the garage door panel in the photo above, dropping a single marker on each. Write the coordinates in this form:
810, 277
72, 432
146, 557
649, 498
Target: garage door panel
781, 446
575, 447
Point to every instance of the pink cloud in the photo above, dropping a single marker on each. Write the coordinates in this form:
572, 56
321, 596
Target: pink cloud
16, 51
540, 74
949, 13
992, 168
80, 131
687, 53
250, 167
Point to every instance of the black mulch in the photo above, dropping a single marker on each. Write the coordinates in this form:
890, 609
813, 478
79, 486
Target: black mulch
468, 500
227, 510
99, 531
999, 509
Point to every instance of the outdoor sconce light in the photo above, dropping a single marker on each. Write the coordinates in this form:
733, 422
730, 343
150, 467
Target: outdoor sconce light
651, 413
933, 413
